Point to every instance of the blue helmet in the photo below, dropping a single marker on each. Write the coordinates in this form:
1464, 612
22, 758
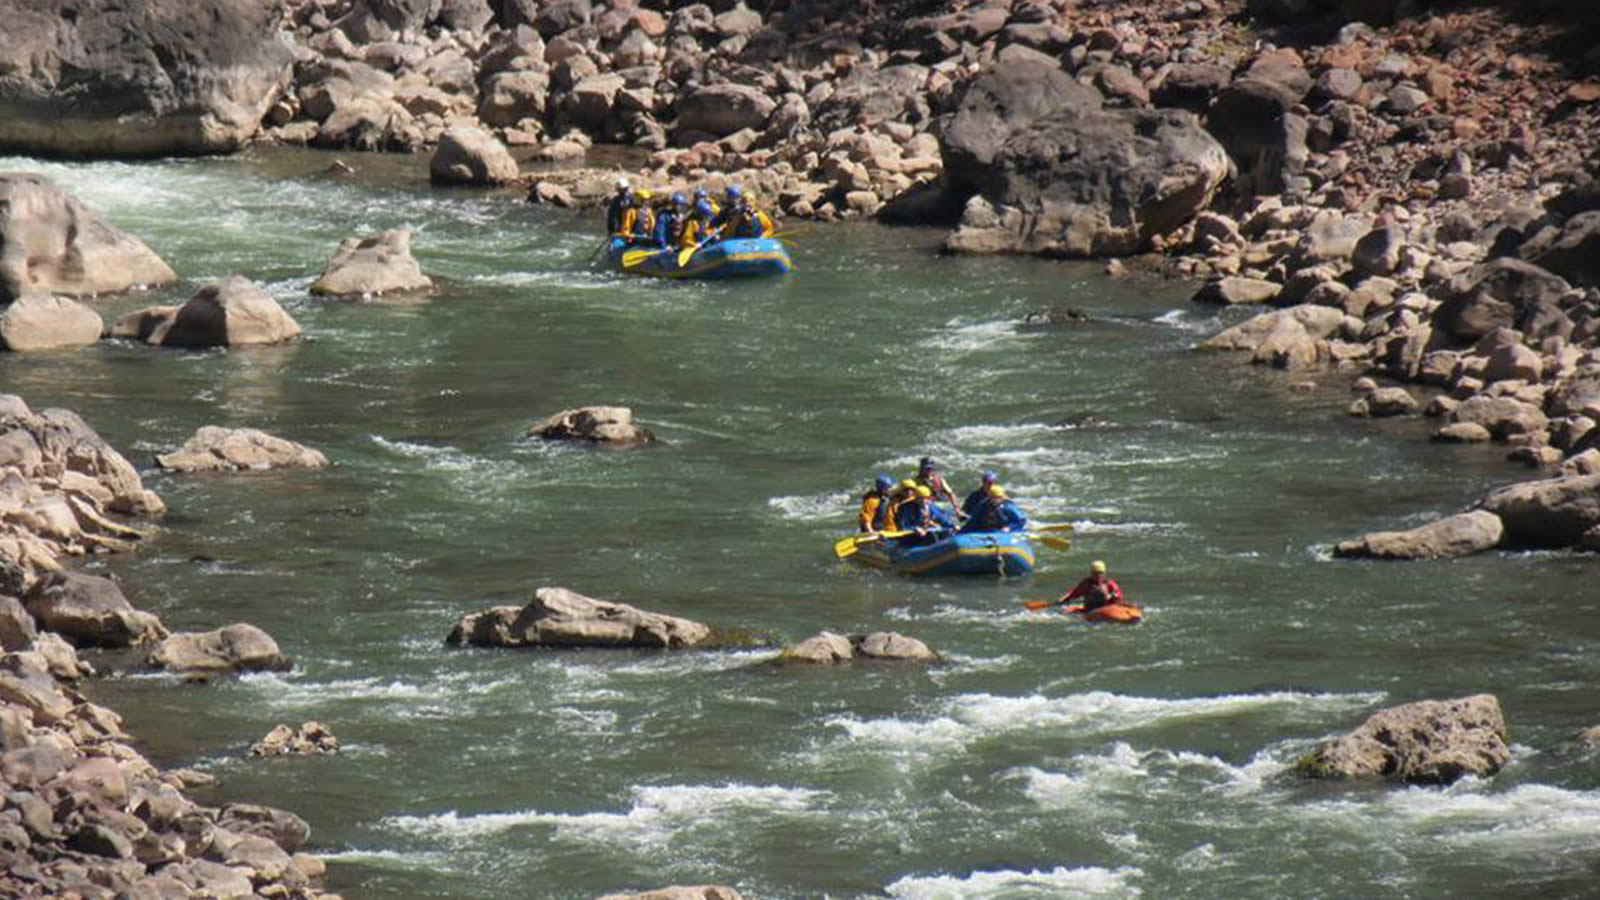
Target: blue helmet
989, 477
884, 482
733, 192
677, 200
700, 193
703, 207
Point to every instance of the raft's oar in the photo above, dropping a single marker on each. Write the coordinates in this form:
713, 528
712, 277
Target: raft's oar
687, 252
1041, 604
1051, 541
1064, 526
635, 257
848, 546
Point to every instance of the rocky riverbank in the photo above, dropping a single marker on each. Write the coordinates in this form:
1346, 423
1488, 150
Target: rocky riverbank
84, 813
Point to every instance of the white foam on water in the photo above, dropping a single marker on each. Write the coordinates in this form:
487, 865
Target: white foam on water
1059, 883
998, 435
656, 815
389, 859
814, 508
1186, 320
653, 668
1471, 815
412, 450
968, 718
964, 337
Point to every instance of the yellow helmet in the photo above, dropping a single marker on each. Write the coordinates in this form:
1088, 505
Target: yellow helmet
909, 484
1098, 567
923, 491
997, 492
642, 194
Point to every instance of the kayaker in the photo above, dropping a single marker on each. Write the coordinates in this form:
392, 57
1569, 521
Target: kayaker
928, 475
1095, 591
875, 504
997, 513
617, 207
979, 497
749, 222
669, 223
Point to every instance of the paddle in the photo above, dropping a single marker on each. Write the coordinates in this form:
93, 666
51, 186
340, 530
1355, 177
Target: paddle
635, 257
687, 252
845, 547
1051, 541
1041, 604
1064, 526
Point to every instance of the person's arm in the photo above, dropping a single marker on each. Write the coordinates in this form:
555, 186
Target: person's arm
1069, 596
1114, 591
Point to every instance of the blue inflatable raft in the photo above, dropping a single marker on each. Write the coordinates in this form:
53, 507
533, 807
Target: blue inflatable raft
975, 553
733, 258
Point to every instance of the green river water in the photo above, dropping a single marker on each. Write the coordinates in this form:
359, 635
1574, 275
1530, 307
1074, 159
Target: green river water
1046, 758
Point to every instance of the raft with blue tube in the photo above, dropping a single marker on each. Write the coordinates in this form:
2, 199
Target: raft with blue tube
972, 553
732, 258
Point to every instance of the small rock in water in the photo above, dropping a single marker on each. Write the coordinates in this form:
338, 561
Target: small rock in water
310, 739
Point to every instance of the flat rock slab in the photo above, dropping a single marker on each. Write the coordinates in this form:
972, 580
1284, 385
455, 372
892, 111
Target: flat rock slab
1428, 742
1459, 535
558, 617
217, 449
610, 425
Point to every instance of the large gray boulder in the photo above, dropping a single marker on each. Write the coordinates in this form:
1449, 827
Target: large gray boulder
829, 647
90, 611
373, 267
1459, 535
468, 155
157, 77
51, 242
1498, 294
217, 449
236, 648
1252, 118
1055, 173
39, 321
1575, 254
1428, 742
722, 109
1553, 512
233, 312
558, 617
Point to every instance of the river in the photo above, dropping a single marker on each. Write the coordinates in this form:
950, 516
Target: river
1046, 758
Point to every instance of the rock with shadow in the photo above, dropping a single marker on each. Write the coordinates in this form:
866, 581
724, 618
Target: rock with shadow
558, 617
611, 426
217, 449
373, 267
1427, 742
828, 648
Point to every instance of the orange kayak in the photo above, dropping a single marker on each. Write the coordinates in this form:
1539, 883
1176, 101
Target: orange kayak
1120, 613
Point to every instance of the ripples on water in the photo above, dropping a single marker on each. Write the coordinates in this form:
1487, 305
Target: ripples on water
1046, 758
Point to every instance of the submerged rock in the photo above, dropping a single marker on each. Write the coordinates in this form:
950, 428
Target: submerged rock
214, 448
681, 892
373, 267
236, 648
827, 647
558, 617
233, 312
1428, 742
612, 425
53, 243
309, 739
39, 321
1459, 535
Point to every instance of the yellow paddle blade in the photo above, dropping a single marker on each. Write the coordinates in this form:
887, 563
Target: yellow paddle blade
685, 253
845, 546
635, 257
1053, 542
1063, 527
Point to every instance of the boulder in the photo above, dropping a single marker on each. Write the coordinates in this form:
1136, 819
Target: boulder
155, 78
284, 828
1389, 401
869, 97
25, 681
1462, 433
722, 109
310, 739
1575, 253
1502, 416
1427, 742
235, 648
1232, 290
1458, 535
17, 630
1289, 345
1253, 121
39, 321
509, 97
1377, 252
825, 647
90, 611
1318, 321
1496, 294
468, 155
1553, 512
373, 267
1060, 175
233, 312
51, 242
558, 617
828, 647
610, 425
213, 448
